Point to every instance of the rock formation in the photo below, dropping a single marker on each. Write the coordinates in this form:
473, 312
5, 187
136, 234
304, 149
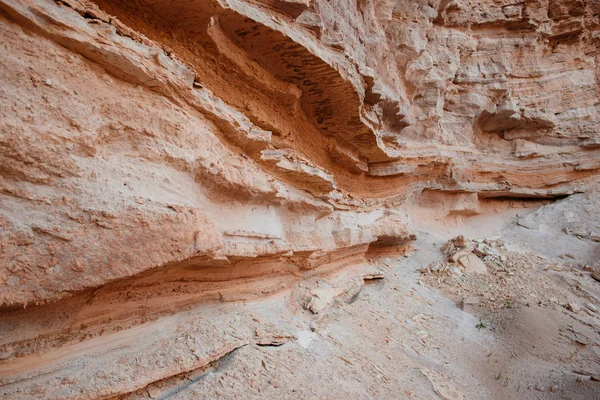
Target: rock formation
160, 155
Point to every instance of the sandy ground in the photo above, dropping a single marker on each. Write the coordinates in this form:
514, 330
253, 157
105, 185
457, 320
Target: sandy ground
534, 334
524, 324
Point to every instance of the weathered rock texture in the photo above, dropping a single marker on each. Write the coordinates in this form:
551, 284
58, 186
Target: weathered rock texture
155, 155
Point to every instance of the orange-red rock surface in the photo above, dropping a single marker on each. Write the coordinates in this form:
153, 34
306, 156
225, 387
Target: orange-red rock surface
158, 154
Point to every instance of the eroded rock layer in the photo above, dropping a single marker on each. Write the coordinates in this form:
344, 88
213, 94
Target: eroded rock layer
158, 155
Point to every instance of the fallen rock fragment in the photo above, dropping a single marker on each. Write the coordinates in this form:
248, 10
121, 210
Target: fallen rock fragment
578, 231
525, 223
472, 264
454, 257
441, 385
321, 299
540, 388
574, 307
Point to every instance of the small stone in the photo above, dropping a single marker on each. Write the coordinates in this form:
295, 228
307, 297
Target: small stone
596, 275
581, 341
588, 268
472, 264
580, 378
553, 388
461, 253
579, 231
574, 307
479, 251
539, 388
528, 224
460, 242
48, 82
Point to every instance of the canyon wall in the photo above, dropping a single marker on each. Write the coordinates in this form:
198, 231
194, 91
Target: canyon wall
157, 155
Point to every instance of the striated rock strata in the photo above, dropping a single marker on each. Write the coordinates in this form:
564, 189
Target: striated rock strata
158, 155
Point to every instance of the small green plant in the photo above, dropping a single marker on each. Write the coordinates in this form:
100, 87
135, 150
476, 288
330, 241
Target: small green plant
480, 325
499, 377
507, 304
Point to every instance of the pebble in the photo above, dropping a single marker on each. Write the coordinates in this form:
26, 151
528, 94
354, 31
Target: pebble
574, 307
48, 82
596, 275
553, 388
539, 388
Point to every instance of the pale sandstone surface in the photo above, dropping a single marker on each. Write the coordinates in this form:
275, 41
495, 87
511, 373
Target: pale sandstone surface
160, 158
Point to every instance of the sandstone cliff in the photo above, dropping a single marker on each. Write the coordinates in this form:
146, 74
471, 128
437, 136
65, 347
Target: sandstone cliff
158, 155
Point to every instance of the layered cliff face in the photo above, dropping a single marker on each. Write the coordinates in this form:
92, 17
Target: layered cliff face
158, 155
